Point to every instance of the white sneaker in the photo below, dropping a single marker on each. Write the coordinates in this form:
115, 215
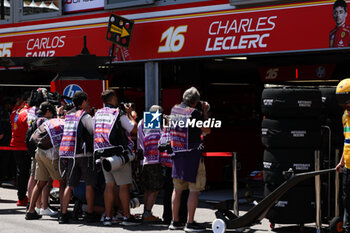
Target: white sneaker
37, 210
48, 212
107, 221
103, 217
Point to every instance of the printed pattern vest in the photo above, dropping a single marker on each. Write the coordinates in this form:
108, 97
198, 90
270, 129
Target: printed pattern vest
150, 143
69, 138
31, 115
105, 119
54, 128
179, 135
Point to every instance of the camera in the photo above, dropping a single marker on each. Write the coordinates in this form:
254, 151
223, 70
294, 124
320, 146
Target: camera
200, 104
165, 147
116, 161
129, 105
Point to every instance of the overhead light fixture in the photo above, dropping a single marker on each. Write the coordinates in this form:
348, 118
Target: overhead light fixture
230, 84
219, 59
237, 58
312, 81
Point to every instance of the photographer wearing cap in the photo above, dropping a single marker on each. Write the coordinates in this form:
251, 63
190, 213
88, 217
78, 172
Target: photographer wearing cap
77, 147
44, 135
188, 166
111, 145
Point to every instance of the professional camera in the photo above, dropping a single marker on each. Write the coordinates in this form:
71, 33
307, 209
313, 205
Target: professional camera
129, 105
199, 106
119, 159
165, 147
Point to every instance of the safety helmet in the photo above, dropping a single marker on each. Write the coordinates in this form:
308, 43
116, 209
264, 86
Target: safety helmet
343, 91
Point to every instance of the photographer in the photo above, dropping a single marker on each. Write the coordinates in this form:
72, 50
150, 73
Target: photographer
111, 144
46, 156
188, 166
152, 178
76, 148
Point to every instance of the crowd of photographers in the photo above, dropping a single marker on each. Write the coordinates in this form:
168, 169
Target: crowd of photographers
91, 154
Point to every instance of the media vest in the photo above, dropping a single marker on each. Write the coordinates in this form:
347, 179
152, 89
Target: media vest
179, 135
105, 120
150, 143
69, 144
32, 115
165, 158
54, 128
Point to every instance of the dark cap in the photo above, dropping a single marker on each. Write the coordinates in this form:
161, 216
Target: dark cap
44, 107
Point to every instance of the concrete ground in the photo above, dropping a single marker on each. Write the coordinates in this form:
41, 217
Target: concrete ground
12, 218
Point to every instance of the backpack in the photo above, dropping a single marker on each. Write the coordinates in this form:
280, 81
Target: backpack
41, 138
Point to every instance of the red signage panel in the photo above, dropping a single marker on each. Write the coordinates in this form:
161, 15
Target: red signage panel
282, 28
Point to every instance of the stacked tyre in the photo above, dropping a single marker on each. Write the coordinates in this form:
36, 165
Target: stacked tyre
333, 138
291, 132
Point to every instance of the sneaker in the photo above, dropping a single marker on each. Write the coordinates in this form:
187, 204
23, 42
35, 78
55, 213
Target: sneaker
176, 225
194, 227
107, 221
63, 218
48, 212
92, 217
23, 202
37, 210
32, 215
117, 219
103, 217
131, 221
151, 219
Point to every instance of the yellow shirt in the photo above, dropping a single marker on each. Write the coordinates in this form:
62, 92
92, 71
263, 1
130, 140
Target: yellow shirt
346, 126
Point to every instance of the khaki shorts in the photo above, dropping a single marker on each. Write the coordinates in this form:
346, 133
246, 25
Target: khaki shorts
120, 176
46, 168
195, 187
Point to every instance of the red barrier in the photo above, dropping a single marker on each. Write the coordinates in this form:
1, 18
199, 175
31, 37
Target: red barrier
217, 154
12, 148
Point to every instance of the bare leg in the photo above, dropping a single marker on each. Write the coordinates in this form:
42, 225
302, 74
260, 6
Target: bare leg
90, 197
66, 198
176, 198
109, 198
35, 194
124, 195
192, 205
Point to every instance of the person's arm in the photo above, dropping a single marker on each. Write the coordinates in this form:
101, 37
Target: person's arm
205, 107
140, 136
128, 111
339, 167
128, 125
88, 123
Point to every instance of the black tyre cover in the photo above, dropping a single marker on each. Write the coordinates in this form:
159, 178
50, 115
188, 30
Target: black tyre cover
330, 106
297, 206
277, 161
291, 102
291, 133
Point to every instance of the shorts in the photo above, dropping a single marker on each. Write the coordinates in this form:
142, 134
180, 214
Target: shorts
33, 167
120, 176
82, 167
152, 177
195, 187
45, 167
